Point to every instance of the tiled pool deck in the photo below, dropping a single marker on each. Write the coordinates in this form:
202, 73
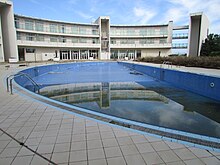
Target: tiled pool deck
65, 138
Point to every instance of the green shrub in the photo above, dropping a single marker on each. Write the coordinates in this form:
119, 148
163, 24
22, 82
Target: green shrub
205, 62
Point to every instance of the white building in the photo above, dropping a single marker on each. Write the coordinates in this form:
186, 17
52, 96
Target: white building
41, 39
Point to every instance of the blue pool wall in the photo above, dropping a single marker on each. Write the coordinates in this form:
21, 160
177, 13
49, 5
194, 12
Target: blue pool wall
201, 84
40, 70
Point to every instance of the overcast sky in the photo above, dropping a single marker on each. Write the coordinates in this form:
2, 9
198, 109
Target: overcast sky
122, 11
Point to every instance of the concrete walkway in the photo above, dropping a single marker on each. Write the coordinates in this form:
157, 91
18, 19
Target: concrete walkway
49, 134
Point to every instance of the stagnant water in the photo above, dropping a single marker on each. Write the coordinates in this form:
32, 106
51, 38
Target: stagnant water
119, 91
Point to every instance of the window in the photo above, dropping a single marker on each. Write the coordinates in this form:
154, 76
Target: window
62, 29
53, 39
17, 25
75, 40
82, 30
18, 36
94, 31
163, 31
30, 50
39, 38
29, 25
113, 41
83, 40
39, 26
62, 39
53, 28
163, 41
30, 37
75, 30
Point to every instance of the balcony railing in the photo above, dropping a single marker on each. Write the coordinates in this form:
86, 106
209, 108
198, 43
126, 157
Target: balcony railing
57, 29
179, 45
180, 36
139, 45
140, 34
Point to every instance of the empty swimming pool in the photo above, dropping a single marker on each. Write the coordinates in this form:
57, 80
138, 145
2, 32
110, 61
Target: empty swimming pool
116, 90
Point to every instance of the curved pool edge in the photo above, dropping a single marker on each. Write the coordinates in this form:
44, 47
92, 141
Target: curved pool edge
185, 138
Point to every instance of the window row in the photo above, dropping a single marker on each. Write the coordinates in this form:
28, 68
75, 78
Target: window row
139, 32
55, 28
44, 38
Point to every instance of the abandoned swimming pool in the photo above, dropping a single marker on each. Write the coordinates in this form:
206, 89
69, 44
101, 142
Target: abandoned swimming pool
133, 96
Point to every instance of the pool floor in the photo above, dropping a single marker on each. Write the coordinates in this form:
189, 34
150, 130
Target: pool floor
111, 88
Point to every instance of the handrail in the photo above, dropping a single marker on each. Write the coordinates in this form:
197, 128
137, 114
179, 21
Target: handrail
168, 63
20, 74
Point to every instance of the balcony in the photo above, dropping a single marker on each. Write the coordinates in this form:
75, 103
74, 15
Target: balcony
63, 32
47, 43
180, 36
179, 46
139, 35
138, 45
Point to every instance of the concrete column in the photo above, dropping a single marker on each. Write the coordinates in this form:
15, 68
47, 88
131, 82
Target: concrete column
8, 30
79, 54
2, 59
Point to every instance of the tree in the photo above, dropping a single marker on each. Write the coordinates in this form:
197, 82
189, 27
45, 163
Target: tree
211, 46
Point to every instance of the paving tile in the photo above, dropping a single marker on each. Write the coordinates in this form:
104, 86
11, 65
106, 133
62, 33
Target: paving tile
92, 144
200, 153
26, 152
174, 145
6, 161
9, 152
152, 158
109, 142
63, 139
78, 137
211, 161
62, 147
139, 139
76, 156
37, 160
152, 139
92, 129
22, 160
134, 159
61, 157
160, 146
13, 144
45, 148
129, 150
93, 136
107, 135
4, 143
96, 154
116, 161
193, 162
33, 141
48, 140
79, 163
176, 163
112, 152
81, 145
168, 156
124, 141
98, 162
185, 154
120, 133
144, 147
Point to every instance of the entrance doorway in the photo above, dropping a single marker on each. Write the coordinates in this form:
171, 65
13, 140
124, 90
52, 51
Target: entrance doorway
21, 55
64, 55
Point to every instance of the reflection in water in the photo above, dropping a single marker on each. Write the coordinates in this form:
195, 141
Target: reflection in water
130, 100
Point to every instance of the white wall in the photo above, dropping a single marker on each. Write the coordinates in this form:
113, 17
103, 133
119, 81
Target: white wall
155, 52
41, 54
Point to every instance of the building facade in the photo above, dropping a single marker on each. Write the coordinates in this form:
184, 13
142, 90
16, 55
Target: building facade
36, 39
